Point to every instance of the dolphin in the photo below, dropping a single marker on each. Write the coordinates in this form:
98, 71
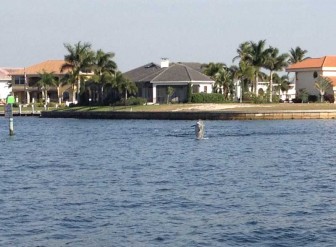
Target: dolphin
199, 129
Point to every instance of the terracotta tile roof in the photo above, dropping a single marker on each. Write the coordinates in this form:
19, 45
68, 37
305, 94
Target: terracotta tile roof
316, 63
48, 66
7, 71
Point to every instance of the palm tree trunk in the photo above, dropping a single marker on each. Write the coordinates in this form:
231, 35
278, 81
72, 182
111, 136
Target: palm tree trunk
101, 94
73, 93
271, 86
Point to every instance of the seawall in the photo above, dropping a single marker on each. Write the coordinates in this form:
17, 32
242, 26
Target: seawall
205, 115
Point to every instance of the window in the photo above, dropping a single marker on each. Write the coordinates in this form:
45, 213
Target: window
205, 89
19, 80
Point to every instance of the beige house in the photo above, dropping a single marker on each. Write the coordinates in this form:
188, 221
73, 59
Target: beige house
24, 83
309, 69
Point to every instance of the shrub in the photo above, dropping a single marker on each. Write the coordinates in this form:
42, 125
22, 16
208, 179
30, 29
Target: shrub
207, 98
312, 98
329, 98
132, 101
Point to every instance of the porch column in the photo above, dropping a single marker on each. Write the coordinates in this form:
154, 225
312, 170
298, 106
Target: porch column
28, 97
154, 93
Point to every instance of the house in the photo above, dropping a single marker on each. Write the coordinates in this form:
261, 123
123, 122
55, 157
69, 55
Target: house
24, 83
153, 80
309, 69
5, 81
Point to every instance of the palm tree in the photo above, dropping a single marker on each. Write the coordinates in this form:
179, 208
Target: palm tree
104, 70
257, 59
244, 52
282, 82
46, 80
212, 68
296, 55
224, 81
243, 72
78, 60
322, 84
124, 85
274, 62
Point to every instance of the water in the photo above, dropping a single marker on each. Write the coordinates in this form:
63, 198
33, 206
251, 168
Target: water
69, 182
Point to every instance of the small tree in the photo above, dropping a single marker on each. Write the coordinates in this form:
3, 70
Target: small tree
322, 84
47, 79
170, 92
303, 95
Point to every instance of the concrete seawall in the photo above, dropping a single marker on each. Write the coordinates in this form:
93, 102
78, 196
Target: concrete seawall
205, 115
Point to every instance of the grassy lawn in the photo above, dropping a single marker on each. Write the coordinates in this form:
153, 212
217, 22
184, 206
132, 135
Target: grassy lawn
194, 107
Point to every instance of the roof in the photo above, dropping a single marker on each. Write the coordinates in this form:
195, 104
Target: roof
181, 72
176, 72
47, 66
7, 71
313, 63
143, 73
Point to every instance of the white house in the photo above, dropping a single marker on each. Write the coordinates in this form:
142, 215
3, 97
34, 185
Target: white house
309, 69
264, 85
5, 80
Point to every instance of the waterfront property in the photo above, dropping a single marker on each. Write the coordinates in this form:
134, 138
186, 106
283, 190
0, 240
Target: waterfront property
309, 69
5, 81
26, 89
153, 80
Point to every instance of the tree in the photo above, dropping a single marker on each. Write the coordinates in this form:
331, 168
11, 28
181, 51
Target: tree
322, 84
274, 62
244, 52
212, 68
222, 76
79, 60
47, 79
243, 72
296, 55
224, 81
124, 85
257, 58
170, 92
104, 69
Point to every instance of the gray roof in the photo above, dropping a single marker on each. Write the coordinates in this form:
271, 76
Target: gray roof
144, 73
178, 72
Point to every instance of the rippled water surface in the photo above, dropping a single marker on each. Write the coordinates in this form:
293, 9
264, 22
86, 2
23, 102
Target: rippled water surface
69, 182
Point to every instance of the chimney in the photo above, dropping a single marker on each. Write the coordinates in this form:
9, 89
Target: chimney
164, 62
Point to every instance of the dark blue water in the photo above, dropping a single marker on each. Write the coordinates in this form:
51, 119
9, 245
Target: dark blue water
68, 182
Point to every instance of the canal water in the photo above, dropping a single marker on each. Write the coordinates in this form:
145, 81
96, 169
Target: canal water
70, 182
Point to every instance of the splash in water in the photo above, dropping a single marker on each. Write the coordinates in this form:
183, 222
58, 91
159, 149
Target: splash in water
199, 130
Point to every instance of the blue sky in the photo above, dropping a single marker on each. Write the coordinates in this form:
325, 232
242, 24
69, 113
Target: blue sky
142, 31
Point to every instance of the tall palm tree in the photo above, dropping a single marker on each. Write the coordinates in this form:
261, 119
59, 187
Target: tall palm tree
243, 72
296, 55
104, 69
47, 79
78, 60
244, 52
322, 84
257, 59
274, 62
